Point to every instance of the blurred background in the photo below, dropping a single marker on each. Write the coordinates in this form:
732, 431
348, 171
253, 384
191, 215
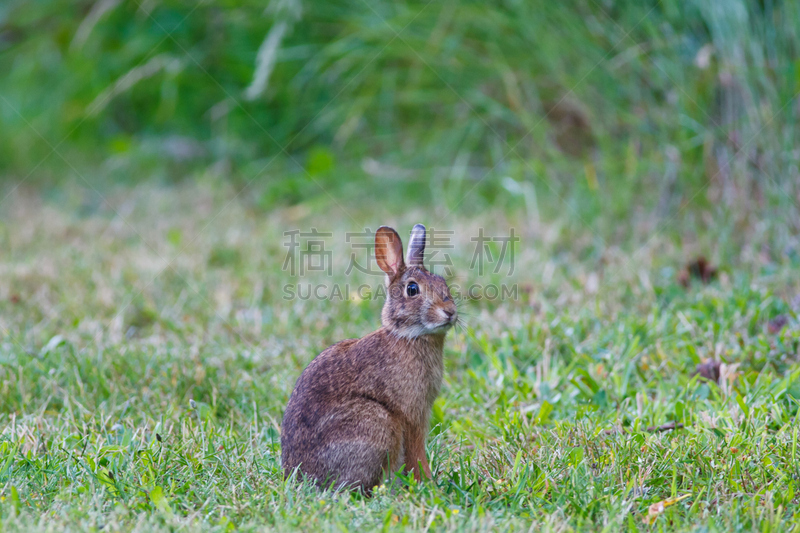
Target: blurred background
597, 110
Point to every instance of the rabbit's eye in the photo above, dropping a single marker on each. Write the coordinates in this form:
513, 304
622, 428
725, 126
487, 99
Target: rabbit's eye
412, 289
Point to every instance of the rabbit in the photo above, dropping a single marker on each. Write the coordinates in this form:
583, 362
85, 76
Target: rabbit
360, 410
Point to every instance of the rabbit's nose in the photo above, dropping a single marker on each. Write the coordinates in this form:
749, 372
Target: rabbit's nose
448, 313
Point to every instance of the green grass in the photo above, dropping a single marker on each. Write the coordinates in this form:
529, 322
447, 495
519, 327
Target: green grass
147, 350
565, 96
116, 316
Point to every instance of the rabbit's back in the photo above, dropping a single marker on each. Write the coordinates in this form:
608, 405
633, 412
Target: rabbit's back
341, 425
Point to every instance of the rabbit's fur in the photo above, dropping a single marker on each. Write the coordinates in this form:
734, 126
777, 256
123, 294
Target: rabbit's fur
361, 408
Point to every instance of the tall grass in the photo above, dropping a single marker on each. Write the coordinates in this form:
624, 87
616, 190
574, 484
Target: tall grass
642, 103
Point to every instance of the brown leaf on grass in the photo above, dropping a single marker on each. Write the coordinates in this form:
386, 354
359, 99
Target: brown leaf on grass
15, 299
776, 324
700, 269
573, 131
656, 509
709, 370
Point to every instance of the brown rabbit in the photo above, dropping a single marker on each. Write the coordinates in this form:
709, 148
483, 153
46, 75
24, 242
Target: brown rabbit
361, 408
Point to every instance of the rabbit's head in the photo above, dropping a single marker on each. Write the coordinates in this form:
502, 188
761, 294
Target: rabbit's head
417, 301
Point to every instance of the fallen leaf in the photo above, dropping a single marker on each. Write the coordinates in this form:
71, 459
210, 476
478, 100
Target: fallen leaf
573, 131
700, 269
776, 324
656, 509
709, 370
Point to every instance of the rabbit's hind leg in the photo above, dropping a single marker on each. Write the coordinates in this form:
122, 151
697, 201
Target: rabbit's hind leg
363, 449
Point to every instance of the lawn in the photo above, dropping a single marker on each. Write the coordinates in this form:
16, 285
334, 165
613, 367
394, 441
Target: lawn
614, 186
149, 349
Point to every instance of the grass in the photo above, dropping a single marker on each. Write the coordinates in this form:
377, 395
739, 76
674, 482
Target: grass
147, 355
147, 349
556, 94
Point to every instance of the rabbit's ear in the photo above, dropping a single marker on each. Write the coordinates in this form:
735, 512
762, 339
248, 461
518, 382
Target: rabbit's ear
416, 246
389, 251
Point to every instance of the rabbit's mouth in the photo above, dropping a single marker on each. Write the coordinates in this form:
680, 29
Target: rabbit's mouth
442, 328
448, 320
422, 329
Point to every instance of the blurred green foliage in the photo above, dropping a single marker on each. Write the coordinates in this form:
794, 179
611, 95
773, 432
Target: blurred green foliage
588, 94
